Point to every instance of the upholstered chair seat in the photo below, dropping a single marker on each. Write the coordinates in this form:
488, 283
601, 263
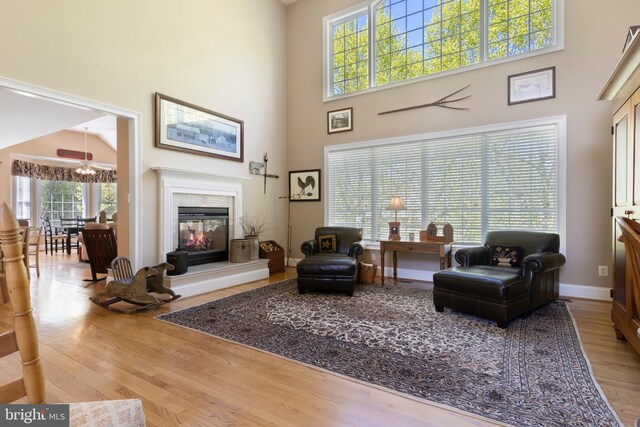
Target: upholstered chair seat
331, 260
514, 273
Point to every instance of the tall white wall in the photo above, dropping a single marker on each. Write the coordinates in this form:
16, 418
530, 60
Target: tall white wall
228, 56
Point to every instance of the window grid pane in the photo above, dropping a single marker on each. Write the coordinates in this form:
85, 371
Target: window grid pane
350, 61
519, 26
414, 38
108, 198
490, 181
61, 199
22, 206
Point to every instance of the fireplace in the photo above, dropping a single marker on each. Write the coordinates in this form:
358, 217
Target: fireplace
203, 232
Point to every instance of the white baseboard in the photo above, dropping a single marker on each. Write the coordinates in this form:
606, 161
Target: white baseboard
583, 291
566, 289
293, 261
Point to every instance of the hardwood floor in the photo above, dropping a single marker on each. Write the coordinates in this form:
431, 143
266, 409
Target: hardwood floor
187, 378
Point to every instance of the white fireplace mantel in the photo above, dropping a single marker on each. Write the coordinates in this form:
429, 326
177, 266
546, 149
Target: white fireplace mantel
175, 182
179, 186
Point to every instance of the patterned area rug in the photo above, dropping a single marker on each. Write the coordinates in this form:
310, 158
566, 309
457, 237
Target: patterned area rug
534, 373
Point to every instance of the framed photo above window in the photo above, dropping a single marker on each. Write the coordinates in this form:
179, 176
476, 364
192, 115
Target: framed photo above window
185, 127
532, 86
340, 120
304, 185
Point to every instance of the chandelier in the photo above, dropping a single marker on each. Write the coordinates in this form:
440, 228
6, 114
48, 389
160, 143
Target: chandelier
85, 168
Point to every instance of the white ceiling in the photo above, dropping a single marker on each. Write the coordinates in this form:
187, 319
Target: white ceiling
24, 117
288, 2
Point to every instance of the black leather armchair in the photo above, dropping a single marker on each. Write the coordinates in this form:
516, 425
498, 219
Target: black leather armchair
502, 293
335, 271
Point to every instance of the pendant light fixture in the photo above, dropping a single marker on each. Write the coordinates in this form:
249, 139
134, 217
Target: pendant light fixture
85, 168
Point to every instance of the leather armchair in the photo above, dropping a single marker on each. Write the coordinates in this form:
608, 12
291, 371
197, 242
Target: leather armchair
348, 241
331, 271
502, 293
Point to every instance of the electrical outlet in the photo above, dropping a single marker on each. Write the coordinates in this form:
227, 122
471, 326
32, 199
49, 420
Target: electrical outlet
374, 256
603, 270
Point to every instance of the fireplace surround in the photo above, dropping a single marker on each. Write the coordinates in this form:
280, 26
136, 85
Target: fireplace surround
186, 188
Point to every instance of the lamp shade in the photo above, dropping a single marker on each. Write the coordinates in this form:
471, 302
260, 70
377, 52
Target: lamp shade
396, 204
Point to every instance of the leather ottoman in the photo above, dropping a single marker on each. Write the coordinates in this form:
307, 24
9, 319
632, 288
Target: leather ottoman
495, 293
331, 272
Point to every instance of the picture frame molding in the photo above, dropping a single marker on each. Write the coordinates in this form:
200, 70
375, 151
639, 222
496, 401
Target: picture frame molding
512, 79
166, 143
348, 128
317, 178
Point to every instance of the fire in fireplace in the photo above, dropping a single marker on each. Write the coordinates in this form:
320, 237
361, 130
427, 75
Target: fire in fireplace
203, 232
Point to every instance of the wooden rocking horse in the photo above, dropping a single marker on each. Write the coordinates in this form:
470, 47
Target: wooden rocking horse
134, 289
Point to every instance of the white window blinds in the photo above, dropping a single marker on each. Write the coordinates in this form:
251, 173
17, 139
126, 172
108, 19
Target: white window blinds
503, 179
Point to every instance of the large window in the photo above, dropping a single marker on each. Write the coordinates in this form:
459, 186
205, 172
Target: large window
415, 38
503, 178
34, 198
61, 199
108, 198
22, 195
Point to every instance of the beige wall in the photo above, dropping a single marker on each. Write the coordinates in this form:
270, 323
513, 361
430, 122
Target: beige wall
224, 55
46, 146
594, 35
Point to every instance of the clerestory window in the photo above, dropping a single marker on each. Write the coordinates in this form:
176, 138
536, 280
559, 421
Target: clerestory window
389, 41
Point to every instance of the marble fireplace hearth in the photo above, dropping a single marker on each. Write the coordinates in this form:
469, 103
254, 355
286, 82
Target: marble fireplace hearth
187, 188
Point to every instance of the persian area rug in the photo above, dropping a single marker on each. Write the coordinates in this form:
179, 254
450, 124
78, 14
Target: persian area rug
534, 373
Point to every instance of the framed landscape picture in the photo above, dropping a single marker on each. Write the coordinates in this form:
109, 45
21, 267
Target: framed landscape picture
185, 127
340, 120
304, 186
532, 86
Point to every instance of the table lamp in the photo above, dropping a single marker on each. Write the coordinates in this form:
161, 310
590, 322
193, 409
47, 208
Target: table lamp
394, 226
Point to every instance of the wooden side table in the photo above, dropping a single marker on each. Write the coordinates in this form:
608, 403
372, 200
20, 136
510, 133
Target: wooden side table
422, 247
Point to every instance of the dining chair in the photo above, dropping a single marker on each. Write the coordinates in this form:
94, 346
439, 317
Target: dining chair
51, 236
33, 247
23, 233
70, 227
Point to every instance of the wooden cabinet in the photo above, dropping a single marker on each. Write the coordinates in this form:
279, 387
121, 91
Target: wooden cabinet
623, 88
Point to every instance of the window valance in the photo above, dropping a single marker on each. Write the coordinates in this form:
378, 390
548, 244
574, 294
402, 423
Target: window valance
57, 173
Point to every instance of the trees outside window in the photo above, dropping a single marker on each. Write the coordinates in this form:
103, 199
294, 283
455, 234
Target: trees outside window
406, 39
108, 198
61, 199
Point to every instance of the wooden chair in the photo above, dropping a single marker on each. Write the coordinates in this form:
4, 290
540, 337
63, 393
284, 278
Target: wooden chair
14, 290
101, 248
71, 228
23, 338
51, 236
33, 247
23, 232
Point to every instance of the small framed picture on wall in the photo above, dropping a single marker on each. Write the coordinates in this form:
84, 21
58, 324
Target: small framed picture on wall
304, 185
340, 120
532, 86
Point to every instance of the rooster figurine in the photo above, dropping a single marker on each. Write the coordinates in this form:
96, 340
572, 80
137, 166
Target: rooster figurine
309, 181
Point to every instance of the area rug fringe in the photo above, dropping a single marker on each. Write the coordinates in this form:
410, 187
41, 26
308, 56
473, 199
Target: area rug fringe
584, 354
